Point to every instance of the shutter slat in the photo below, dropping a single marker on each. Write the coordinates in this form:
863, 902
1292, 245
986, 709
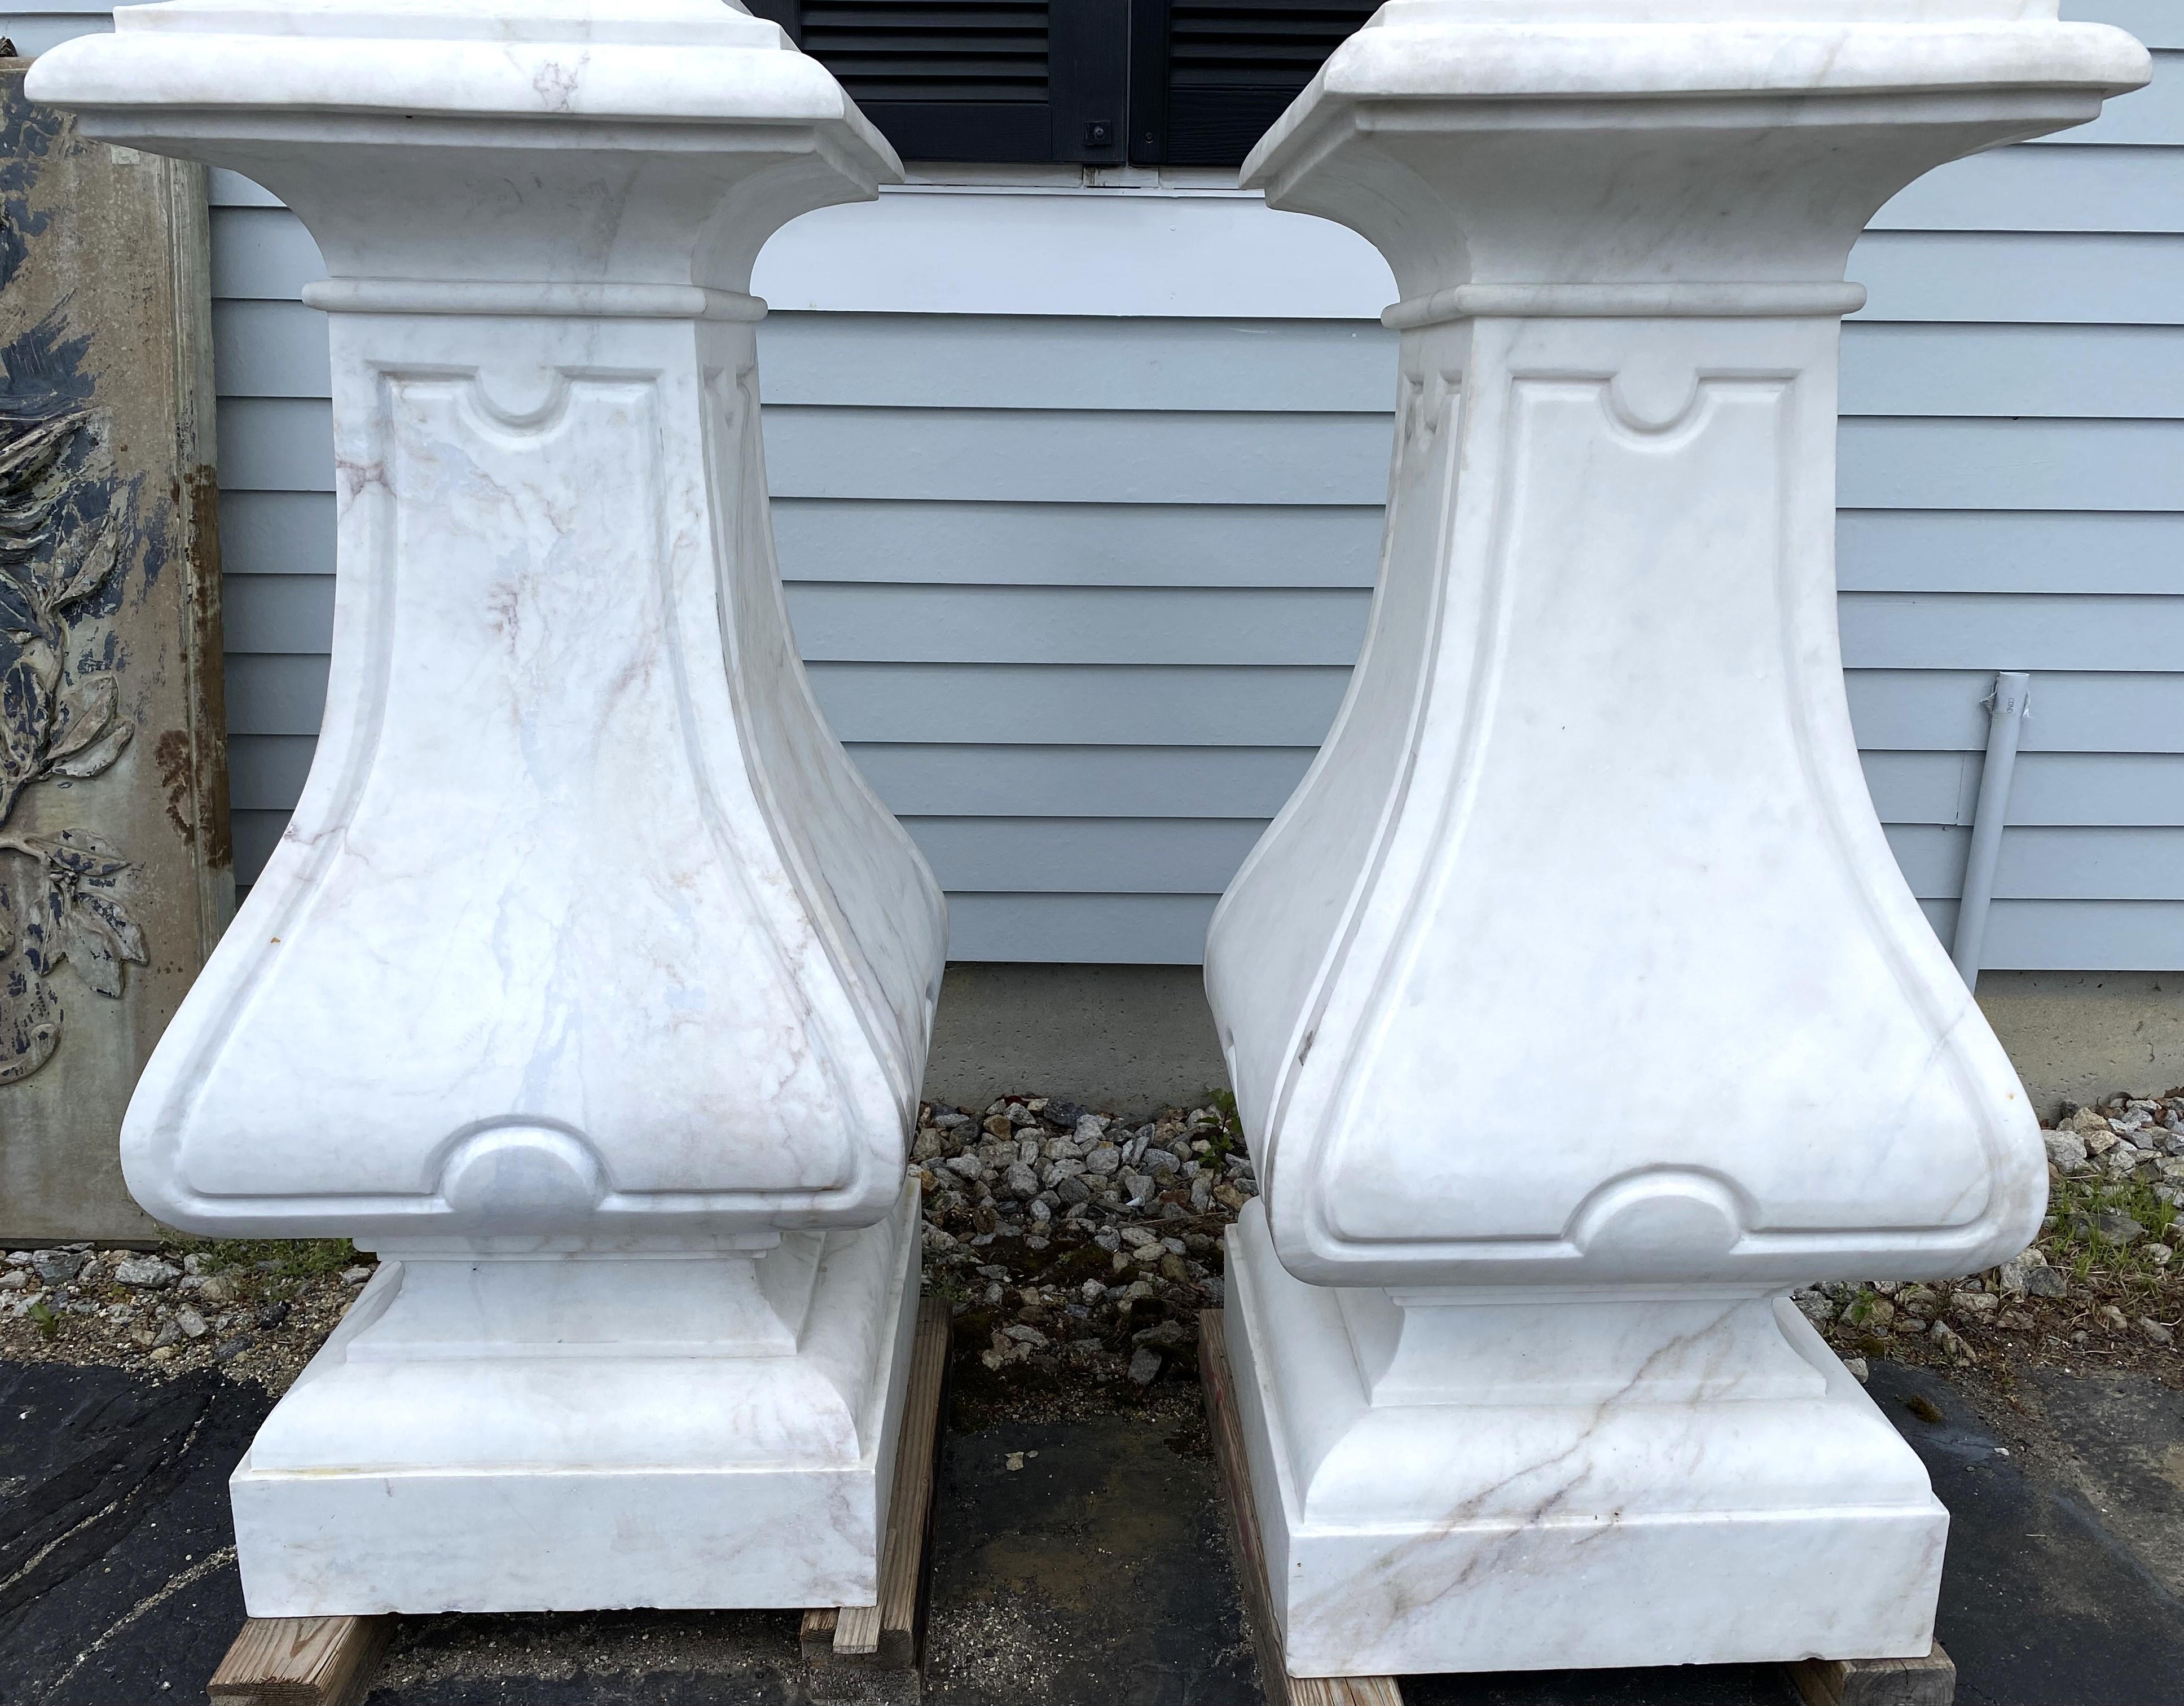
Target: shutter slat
953, 50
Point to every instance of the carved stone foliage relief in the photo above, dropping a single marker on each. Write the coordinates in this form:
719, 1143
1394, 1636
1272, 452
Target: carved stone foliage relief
62, 894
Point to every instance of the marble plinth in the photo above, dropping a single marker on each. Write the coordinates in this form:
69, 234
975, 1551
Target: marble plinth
592, 1427
1690, 1478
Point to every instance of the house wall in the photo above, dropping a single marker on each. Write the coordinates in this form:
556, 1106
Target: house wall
1077, 494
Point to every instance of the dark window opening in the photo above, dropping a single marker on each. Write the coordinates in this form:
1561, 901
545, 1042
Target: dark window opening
1158, 82
1209, 76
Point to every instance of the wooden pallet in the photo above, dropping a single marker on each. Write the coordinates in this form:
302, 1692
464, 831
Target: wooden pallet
891, 1635
1928, 1681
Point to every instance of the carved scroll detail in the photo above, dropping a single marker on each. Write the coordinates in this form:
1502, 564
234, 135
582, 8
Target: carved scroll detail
61, 894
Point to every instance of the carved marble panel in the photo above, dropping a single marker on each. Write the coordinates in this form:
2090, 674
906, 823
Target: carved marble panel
115, 878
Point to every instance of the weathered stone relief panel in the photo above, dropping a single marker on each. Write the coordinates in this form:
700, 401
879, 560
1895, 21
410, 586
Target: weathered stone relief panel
115, 870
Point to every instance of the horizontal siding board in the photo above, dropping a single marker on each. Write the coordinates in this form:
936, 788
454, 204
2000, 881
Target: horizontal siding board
1187, 857
1921, 787
1939, 711
2009, 277
2078, 789
1086, 930
1895, 464
276, 532
986, 781
2018, 277
1260, 627
1103, 855
2026, 631
1068, 704
262, 254
2122, 372
1079, 704
1161, 625
941, 543
275, 695
2021, 936
277, 613
2075, 863
2051, 189
2074, 935
265, 772
1124, 457
1023, 362
2008, 551
269, 349
2126, 788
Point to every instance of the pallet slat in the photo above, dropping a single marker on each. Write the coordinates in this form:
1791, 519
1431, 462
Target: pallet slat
1281, 1688
303, 1661
886, 1636
1928, 1681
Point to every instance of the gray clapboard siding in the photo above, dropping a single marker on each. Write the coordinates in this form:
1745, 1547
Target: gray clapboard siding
2098, 789
2007, 551
940, 542
996, 361
848, 623
1083, 614
2046, 863
2074, 935
2131, 791
1117, 929
2130, 188
2011, 277
1141, 456
1930, 711
1104, 704
2019, 278
1090, 856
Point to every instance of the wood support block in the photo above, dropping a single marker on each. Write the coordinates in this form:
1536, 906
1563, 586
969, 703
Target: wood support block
1928, 1681
888, 1636
303, 1661
1281, 1689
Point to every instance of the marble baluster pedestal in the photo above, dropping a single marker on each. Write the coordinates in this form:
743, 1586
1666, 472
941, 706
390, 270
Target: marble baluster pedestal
590, 984
1590, 829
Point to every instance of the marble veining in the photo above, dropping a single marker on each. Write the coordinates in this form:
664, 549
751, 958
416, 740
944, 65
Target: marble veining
589, 984
1591, 817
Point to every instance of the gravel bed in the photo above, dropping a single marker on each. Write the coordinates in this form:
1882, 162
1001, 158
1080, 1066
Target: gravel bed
2100, 1288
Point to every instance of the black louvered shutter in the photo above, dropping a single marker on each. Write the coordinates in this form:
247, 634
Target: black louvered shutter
1207, 77
1022, 80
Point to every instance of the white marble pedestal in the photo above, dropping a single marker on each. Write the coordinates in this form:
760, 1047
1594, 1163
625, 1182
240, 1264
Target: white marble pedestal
589, 984
1590, 831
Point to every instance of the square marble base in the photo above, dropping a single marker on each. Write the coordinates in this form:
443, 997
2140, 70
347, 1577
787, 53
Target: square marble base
1742, 1501
588, 1429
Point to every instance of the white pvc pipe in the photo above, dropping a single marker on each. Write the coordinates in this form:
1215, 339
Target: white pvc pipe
2006, 708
